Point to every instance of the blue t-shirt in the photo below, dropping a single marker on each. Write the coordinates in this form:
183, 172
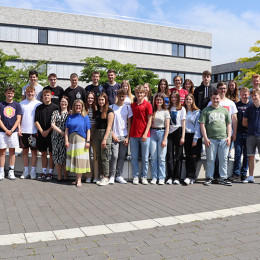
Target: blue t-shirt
79, 124
8, 113
252, 114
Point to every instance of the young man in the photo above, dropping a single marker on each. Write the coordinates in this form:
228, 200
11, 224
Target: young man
56, 91
215, 123
27, 132
120, 136
240, 143
95, 87
33, 77
140, 134
251, 120
256, 81
10, 117
43, 124
202, 93
111, 87
75, 91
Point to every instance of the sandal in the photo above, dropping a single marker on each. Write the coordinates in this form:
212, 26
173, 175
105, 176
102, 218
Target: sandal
79, 184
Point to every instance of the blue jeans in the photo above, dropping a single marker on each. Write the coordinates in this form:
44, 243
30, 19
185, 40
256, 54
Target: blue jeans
134, 144
158, 154
240, 148
217, 147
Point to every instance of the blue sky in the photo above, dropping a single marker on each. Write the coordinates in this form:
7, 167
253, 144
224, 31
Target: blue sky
235, 25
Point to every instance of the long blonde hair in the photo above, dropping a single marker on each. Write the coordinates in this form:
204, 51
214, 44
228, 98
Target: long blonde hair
129, 93
83, 111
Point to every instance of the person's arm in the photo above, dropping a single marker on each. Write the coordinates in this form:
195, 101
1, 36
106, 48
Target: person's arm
87, 145
54, 127
166, 132
245, 122
197, 131
183, 131
204, 134
148, 126
66, 137
44, 133
129, 122
7, 132
234, 125
110, 118
229, 130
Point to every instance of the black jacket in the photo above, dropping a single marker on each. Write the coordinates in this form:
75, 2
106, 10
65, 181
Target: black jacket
202, 100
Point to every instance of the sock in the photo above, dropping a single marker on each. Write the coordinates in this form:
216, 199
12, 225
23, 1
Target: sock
33, 168
44, 170
50, 171
1, 169
11, 167
26, 168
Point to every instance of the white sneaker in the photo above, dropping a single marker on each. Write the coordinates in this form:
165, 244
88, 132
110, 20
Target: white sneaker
2, 176
169, 181
161, 181
192, 181
95, 180
187, 181
33, 174
257, 157
153, 181
144, 181
136, 181
11, 175
88, 180
176, 182
25, 175
120, 179
104, 181
112, 180
249, 179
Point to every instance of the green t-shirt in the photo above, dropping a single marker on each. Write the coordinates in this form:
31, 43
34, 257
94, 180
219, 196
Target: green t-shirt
216, 121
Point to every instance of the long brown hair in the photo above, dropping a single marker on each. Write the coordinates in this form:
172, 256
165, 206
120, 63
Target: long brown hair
149, 94
63, 97
167, 92
193, 106
233, 96
178, 105
155, 108
192, 85
105, 107
93, 106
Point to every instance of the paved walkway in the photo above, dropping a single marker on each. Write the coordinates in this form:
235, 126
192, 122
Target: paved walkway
28, 206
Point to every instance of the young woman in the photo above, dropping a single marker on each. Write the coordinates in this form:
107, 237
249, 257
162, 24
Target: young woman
77, 141
158, 142
103, 137
129, 99
176, 138
91, 107
58, 120
188, 86
232, 91
163, 88
177, 80
193, 140
148, 92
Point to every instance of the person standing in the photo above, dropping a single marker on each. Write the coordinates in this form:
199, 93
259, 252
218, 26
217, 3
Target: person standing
177, 80
111, 87
95, 87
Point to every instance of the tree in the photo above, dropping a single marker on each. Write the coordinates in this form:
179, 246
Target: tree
246, 74
124, 71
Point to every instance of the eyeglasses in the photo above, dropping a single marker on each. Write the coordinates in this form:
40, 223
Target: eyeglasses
222, 88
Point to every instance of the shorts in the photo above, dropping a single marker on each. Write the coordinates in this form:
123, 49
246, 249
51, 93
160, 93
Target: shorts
43, 143
252, 142
9, 141
28, 141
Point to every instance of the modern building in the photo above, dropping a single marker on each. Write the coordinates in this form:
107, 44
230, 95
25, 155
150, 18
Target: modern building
66, 39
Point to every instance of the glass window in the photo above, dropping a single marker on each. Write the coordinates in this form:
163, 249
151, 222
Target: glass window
219, 77
181, 51
232, 76
225, 77
43, 36
228, 76
174, 50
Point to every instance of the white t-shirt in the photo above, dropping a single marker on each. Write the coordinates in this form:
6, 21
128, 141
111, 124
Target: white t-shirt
121, 115
28, 113
228, 104
38, 90
176, 117
127, 101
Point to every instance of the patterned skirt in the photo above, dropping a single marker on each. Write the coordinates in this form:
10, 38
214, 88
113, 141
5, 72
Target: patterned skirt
77, 155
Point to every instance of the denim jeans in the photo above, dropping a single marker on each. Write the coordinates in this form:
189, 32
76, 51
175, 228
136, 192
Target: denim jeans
158, 154
134, 144
217, 147
118, 152
240, 148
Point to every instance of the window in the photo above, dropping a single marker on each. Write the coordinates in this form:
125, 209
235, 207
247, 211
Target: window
181, 51
43, 36
175, 50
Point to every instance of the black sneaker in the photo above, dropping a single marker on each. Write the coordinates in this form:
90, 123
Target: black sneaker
49, 177
225, 182
243, 177
235, 177
208, 182
42, 177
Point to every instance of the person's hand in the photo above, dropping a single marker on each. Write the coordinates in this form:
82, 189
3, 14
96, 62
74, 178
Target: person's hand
194, 144
8, 132
67, 145
228, 141
62, 133
20, 133
207, 142
115, 139
126, 142
144, 138
163, 144
44, 133
104, 143
182, 141
87, 145
234, 137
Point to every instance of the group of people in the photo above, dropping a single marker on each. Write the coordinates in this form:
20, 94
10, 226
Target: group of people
102, 120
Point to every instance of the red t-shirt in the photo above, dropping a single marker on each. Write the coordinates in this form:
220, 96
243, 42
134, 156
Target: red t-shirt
183, 93
140, 118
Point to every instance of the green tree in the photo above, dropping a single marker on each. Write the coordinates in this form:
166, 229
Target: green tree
124, 72
246, 73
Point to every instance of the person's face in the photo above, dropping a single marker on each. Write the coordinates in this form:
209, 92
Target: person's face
74, 82
256, 98
9, 95
187, 86
46, 98
206, 79
111, 76
188, 101
30, 94
125, 87
101, 101
177, 82
163, 86
139, 95
95, 78
222, 90
174, 99
33, 78
64, 103
121, 98
159, 101
244, 96
215, 99
78, 107
91, 99
256, 82
232, 86
52, 81
146, 88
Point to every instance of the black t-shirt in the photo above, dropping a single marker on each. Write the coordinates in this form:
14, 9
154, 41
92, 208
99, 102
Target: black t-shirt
75, 93
56, 94
241, 108
102, 123
43, 115
111, 92
96, 89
